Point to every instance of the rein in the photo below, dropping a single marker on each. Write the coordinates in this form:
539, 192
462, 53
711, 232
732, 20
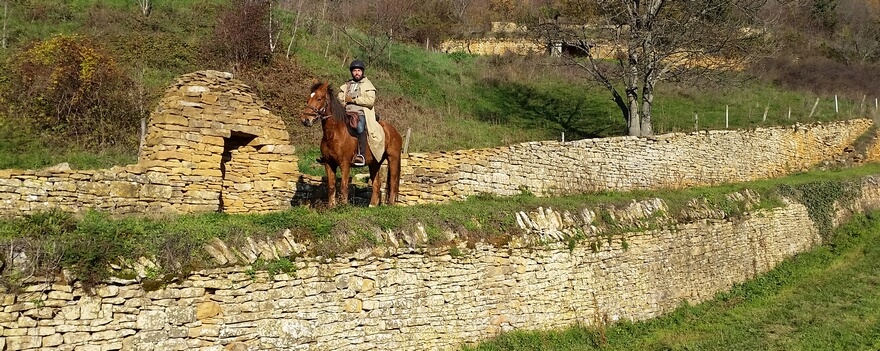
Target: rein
320, 112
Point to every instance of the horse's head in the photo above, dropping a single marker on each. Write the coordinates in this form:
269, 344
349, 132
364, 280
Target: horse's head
318, 105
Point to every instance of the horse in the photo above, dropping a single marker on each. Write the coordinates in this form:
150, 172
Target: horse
339, 145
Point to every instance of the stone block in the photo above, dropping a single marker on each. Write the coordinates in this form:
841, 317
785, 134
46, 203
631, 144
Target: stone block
172, 155
353, 305
168, 119
152, 191
125, 190
152, 320
50, 340
74, 338
207, 310
14, 343
283, 168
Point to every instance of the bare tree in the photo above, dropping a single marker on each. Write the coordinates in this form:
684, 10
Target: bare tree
857, 39
146, 6
295, 27
378, 20
240, 34
4, 34
274, 28
638, 43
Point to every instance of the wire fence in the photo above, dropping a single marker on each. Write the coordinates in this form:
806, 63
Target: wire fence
750, 115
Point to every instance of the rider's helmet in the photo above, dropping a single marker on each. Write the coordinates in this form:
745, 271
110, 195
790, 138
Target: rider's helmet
357, 64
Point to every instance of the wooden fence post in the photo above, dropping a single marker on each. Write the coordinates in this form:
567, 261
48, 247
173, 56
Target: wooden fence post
143, 137
406, 142
814, 109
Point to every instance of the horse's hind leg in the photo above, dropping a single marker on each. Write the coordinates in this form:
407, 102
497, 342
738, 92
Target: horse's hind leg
375, 182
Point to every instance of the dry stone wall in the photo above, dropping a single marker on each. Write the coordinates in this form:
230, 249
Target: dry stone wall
212, 146
404, 297
674, 160
494, 46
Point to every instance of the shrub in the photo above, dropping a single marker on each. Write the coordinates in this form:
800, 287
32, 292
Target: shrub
70, 92
241, 36
284, 87
822, 76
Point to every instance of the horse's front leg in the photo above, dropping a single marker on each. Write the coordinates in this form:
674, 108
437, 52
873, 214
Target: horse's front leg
331, 184
376, 182
346, 170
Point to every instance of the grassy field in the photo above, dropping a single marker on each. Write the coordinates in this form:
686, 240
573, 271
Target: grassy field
447, 101
826, 299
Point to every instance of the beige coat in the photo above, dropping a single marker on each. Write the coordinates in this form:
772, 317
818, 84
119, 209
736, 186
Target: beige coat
363, 93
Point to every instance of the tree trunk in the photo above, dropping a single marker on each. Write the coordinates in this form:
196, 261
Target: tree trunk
5, 20
633, 124
647, 102
145, 6
650, 74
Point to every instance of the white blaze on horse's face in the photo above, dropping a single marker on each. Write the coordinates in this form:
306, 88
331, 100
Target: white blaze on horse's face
313, 106
308, 113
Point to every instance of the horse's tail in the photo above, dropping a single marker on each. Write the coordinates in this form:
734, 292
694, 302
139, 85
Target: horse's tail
393, 154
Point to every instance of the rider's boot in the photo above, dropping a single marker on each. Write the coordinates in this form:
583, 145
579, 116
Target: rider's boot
359, 159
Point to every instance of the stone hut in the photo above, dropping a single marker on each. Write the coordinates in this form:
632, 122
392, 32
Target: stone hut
222, 145
210, 146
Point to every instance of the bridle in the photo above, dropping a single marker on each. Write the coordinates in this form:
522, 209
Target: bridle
320, 112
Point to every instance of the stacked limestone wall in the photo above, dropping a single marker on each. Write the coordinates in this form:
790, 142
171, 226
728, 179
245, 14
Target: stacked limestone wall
410, 298
494, 46
674, 160
210, 145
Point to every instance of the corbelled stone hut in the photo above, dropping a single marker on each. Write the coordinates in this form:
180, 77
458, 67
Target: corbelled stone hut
221, 145
210, 146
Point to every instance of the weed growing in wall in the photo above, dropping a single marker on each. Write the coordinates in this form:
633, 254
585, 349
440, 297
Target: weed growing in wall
820, 198
273, 267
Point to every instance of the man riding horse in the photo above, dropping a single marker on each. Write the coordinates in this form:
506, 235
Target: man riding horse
352, 135
359, 95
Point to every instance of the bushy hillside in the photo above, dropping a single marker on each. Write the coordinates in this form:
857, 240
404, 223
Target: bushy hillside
78, 76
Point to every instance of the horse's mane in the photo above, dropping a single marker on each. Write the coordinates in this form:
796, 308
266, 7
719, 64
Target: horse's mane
336, 108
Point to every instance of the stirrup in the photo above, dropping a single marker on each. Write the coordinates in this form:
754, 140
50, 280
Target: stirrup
359, 160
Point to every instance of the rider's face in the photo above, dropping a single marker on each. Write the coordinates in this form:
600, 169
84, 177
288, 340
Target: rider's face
357, 73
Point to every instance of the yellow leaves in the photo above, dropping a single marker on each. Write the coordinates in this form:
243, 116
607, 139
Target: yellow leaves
68, 60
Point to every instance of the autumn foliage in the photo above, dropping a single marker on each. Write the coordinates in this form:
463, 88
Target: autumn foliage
67, 89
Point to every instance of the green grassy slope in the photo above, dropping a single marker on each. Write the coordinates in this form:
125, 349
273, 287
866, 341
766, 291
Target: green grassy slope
826, 299
448, 101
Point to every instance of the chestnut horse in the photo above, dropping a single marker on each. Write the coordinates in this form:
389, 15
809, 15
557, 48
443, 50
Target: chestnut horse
339, 145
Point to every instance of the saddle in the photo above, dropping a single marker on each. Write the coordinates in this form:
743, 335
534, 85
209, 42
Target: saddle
353, 118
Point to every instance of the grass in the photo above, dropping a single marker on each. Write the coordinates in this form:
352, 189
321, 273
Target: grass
18, 151
825, 299
447, 101
744, 107
91, 241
